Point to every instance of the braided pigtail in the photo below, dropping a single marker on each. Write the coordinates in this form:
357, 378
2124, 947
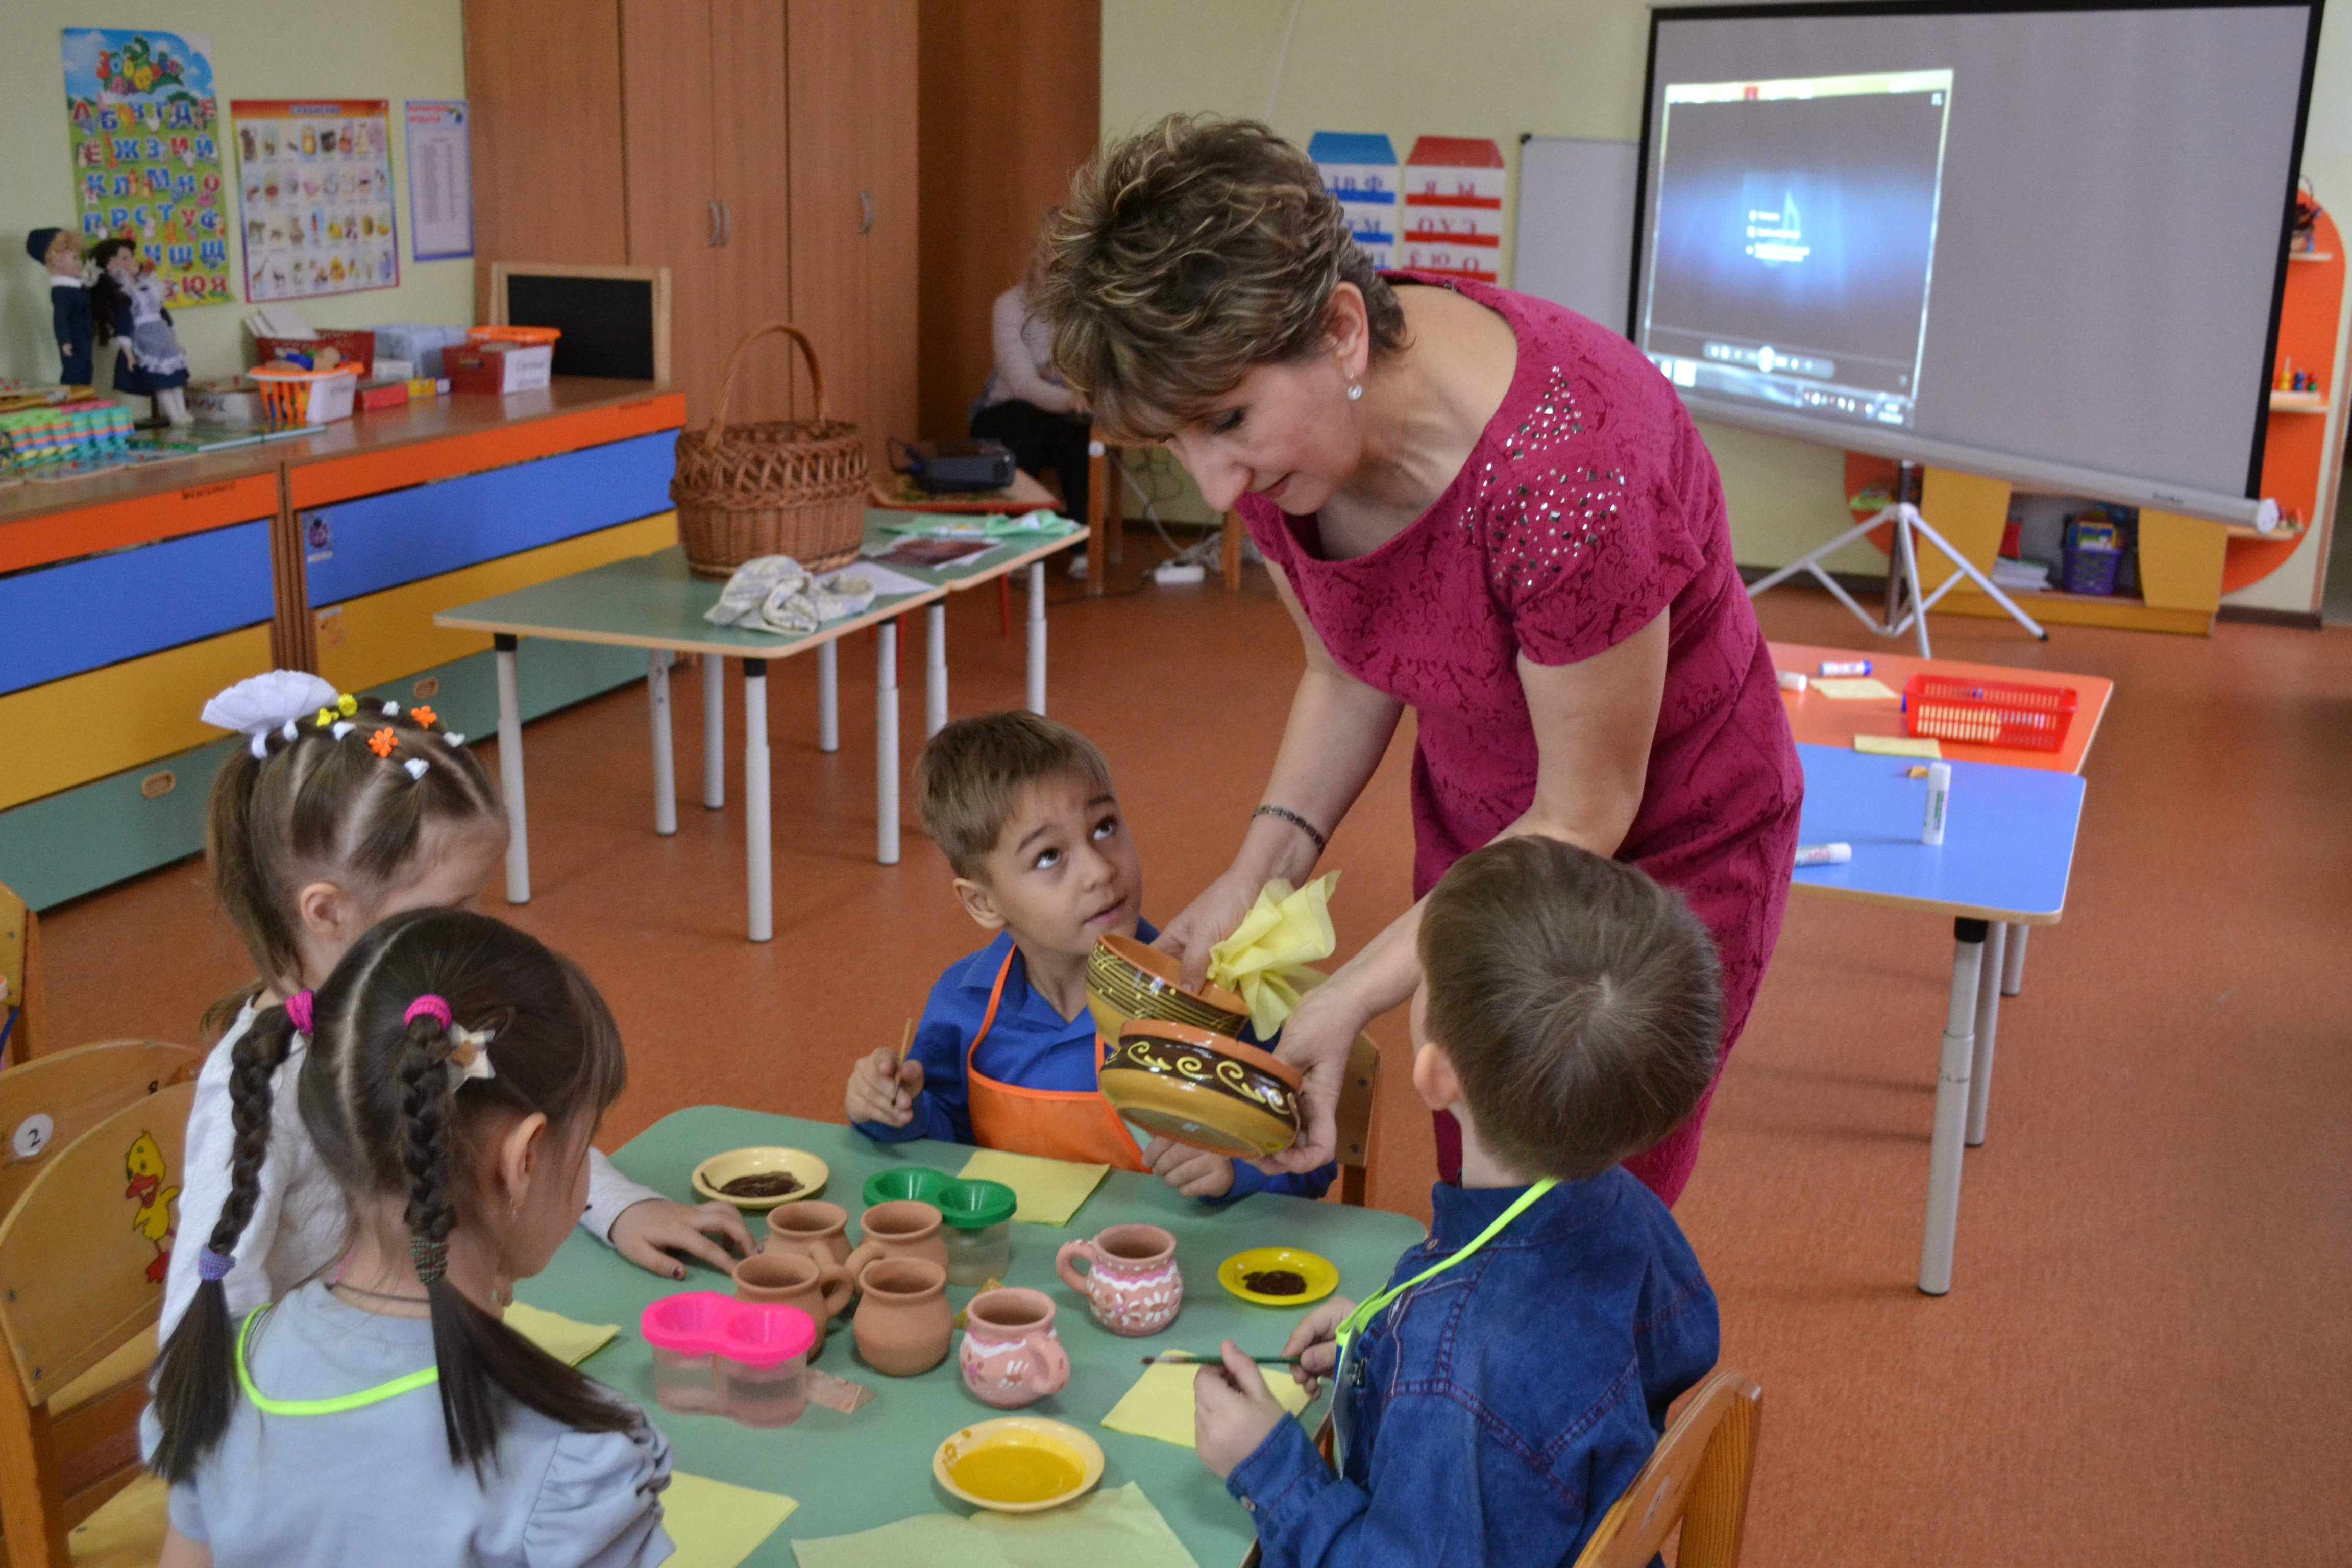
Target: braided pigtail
195, 1390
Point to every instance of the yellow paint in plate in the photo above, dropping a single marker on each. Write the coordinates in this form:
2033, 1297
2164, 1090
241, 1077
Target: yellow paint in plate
721, 1169
1018, 1464
1321, 1276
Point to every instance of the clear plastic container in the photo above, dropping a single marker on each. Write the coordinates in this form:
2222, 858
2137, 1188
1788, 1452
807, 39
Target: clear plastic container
714, 1356
680, 1330
978, 1229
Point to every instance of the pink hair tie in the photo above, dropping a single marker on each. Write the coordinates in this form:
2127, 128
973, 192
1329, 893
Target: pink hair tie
297, 1011
428, 1006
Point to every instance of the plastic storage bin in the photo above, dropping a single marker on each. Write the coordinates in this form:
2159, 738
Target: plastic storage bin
978, 1229
2094, 554
306, 396
1988, 712
358, 348
419, 343
717, 1356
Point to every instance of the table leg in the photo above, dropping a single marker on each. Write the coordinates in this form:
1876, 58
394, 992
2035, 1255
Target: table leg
1098, 499
1987, 1025
714, 731
935, 668
1037, 637
511, 773
885, 743
2012, 969
759, 862
828, 696
665, 759
1951, 1110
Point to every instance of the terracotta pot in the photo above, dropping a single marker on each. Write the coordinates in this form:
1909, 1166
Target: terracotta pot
1132, 1281
815, 1228
1011, 1355
904, 1321
905, 1228
794, 1280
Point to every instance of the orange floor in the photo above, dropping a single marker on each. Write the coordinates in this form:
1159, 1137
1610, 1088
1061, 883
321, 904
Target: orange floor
2148, 1358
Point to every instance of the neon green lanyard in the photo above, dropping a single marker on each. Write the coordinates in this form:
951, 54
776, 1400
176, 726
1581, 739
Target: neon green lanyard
1355, 1321
334, 1407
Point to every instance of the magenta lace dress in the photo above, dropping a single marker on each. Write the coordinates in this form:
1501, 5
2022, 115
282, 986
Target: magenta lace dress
1589, 505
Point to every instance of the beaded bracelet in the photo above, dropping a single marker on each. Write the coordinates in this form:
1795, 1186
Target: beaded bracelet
1300, 823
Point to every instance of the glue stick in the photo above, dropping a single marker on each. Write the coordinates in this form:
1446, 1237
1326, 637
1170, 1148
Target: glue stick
1830, 667
1792, 680
1940, 797
1824, 853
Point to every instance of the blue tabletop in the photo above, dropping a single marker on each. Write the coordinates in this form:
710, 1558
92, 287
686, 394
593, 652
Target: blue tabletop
2009, 836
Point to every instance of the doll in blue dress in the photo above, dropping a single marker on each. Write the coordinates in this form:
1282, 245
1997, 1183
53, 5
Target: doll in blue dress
129, 305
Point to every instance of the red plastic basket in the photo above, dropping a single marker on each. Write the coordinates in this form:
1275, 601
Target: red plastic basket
1988, 712
358, 348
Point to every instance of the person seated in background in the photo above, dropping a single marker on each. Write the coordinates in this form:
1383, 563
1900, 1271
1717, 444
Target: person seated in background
1006, 1055
1026, 404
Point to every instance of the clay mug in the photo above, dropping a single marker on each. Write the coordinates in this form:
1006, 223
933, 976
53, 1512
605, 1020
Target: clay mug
1131, 1281
819, 1229
904, 1321
1011, 1355
794, 1280
904, 1229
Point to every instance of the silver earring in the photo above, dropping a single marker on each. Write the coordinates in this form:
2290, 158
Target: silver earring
1354, 392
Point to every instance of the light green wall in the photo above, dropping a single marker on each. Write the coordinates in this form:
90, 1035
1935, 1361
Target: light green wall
1555, 68
261, 48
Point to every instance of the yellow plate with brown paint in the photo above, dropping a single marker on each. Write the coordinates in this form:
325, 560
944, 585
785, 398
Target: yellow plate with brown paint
721, 1169
1318, 1271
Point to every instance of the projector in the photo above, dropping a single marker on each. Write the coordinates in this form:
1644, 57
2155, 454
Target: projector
954, 468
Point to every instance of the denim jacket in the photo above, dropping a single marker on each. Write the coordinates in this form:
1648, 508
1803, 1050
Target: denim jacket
1501, 1407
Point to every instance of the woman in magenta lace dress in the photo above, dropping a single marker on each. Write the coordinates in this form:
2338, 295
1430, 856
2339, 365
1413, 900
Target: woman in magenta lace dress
1476, 504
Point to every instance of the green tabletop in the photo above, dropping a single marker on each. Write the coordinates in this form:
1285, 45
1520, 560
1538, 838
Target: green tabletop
856, 1472
1014, 551
650, 601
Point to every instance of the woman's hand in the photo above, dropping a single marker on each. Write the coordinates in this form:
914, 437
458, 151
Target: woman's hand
1208, 920
1316, 1041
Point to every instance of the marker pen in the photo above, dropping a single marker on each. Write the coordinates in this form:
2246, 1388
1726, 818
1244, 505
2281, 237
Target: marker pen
1793, 680
1830, 667
1824, 853
1939, 798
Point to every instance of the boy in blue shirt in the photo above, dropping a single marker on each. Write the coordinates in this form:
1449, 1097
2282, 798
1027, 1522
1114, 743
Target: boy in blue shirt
1492, 1404
1006, 1055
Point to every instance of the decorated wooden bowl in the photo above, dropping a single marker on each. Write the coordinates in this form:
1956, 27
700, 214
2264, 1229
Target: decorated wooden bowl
1126, 981
1202, 1089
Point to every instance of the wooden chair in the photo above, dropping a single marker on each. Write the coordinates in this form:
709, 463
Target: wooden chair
1697, 1477
82, 1259
47, 1103
20, 979
1355, 1120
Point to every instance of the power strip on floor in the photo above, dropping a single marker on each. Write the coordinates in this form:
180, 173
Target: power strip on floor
1170, 572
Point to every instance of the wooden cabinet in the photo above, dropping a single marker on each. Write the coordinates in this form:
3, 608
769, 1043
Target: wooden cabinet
764, 150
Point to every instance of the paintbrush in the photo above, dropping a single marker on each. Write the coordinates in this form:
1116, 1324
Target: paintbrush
906, 1039
1187, 1358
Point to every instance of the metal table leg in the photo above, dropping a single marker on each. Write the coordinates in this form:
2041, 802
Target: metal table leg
2012, 972
828, 696
1037, 637
1988, 1027
665, 759
760, 865
714, 731
885, 743
935, 668
511, 773
1951, 1110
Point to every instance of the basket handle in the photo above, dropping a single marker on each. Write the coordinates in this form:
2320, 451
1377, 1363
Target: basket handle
727, 383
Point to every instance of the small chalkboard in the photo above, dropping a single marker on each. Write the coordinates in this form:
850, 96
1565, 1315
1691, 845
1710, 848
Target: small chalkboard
614, 319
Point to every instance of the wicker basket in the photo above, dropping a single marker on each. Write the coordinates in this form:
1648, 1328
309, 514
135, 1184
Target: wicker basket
783, 486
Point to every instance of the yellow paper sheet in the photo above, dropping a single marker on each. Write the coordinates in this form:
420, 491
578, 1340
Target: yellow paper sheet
715, 1525
1049, 1191
1113, 1527
568, 1342
1898, 745
1266, 959
1160, 1404
1854, 690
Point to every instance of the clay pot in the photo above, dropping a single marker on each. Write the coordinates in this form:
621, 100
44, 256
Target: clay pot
904, 1321
794, 1280
819, 1229
1011, 1355
1132, 1281
905, 1228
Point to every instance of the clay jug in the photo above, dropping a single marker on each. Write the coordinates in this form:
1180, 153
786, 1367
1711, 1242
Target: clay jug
812, 1228
1011, 1355
794, 1280
905, 1228
1132, 1281
904, 1321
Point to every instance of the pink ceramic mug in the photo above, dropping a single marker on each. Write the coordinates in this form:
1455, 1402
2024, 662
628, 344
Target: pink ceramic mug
1132, 1282
1011, 1355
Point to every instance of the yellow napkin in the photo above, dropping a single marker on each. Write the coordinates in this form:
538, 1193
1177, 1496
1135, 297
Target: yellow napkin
1160, 1404
1898, 745
1854, 690
715, 1525
1267, 957
559, 1336
1116, 1527
1049, 1191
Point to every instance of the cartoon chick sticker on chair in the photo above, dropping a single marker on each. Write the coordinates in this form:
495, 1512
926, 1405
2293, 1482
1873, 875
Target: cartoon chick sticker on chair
144, 1166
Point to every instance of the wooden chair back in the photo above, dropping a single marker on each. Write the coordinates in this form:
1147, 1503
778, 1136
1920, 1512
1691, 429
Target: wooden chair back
1697, 1477
1355, 1120
82, 1260
20, 979
47, 1103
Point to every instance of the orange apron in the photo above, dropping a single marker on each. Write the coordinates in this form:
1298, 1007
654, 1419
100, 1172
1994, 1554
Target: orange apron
1054, 1124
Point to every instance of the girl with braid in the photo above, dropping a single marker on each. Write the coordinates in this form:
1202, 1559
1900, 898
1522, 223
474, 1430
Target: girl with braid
334, 814
455, 1072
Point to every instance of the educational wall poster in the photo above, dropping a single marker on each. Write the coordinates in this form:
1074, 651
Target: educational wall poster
314, 188
1360, 169
440, 180
1453, 206
144, 127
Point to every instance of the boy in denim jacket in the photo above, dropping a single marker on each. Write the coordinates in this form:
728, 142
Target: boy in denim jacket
1491, 1413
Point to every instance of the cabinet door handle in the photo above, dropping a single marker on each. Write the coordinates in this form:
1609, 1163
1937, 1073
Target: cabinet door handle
866, 212
715, 238
727, 222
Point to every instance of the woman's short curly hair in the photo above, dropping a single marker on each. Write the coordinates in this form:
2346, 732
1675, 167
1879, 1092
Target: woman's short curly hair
1188, 254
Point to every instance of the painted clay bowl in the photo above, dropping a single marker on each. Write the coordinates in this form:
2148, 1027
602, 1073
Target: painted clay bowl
1126, 981
1202, 1088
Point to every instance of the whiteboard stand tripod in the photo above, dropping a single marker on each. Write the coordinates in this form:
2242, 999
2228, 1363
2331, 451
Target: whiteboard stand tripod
1904, 591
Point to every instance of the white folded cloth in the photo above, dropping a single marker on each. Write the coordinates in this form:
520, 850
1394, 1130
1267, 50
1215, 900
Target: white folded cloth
776, 594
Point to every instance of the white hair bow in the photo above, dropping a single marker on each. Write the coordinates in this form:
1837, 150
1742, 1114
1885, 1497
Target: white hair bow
470, 1054
260, 703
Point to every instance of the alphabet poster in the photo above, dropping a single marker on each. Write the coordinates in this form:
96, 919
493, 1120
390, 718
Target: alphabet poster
144, 128
314, 187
